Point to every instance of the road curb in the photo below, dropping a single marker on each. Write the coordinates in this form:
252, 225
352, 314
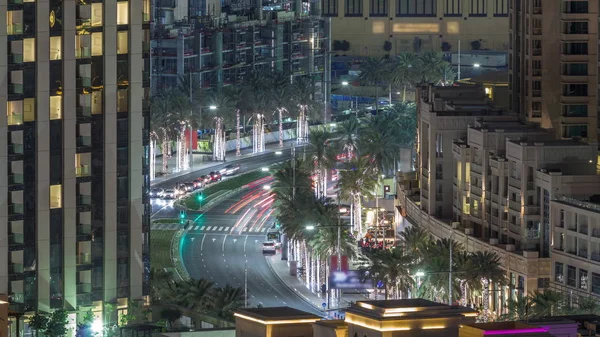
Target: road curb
292, 289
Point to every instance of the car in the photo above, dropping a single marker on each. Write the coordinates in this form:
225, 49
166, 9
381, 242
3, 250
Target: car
156, 192
206, 178
170, 193
230, 170
181, 188
189, 187
268, 247
215, 176
199, 183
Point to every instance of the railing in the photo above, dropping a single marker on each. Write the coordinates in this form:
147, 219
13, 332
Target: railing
84, 82
15, 208
15, 179
514, 205
84, 111
85, 299
84, 141
83, 52
82, 171
578, 203
84, 199
15, 148
530, 185
15, 268
572, 227
14, 29
16, 238
583, 229
15, 88
595, 256
583, 253
596, 233
515, 229
532, 210
85, 258
15, 58
514, 182
84, 288
84, 229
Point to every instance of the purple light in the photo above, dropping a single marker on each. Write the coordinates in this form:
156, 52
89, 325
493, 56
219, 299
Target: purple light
513, 332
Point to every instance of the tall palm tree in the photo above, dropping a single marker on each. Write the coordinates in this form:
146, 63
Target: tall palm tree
587, 305
256, 101
404, 72
416, 241
348, 136
323, 152
392, 266
381, 142
431, 66
547, 303
303, 91
226, 300
375, 72
486, 268
517, 309
160, 131
281, 93
356, 182
235, 96
221, 115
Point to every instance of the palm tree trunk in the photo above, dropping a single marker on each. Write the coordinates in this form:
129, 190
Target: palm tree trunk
390, 94
358, 215
463, 293
152, 158
238, 145
485, 293
280, 111
299, 126
404, 93
306, 263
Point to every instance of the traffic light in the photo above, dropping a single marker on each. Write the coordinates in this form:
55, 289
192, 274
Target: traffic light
182, 214
200, 197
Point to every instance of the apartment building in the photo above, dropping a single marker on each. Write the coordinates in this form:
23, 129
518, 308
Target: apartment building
444, 115
553, 58
74, 211
382, 27
575, 226
220, 52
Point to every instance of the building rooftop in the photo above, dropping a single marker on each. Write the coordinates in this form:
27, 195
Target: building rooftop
508, 328
550, 142
276, 314
334, 324
593, 204
406, 303
408, 309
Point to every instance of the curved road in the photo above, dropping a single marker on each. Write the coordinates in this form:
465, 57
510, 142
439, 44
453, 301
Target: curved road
228, 237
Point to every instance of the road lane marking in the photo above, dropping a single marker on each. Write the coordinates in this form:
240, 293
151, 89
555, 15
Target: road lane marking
226, 229
245, 240
263, 230
202, 244
208, 228
220, 228
196, 228
223, 246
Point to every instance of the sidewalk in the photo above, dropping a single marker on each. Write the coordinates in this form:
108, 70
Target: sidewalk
200, 164
294, 283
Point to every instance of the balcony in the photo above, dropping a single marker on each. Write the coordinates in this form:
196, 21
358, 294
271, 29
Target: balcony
596, 233
16, 239
476, 190
84, 111
595, 256
15, 148
83, 259
575, 37
425, 173
515, 229
84, 141
583, 253
15, 179
15, 2
565, 78
530, 186
532, 210
82, 171
514, 205
15, 89
476, 168
84, 200
514, 182
15, 58
15, 209
14, 29
14, 119
84, 229
84, 288
15, 268
574, 99
84, 82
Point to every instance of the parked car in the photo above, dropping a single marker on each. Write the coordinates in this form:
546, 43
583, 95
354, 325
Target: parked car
215, 176
170, 193
230, 170
156, 192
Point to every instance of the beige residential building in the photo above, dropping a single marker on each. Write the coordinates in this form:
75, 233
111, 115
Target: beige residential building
575, 229
73, 137
553, 65
415, 26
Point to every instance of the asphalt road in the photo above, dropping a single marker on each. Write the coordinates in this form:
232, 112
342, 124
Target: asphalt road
228, 237
222, 256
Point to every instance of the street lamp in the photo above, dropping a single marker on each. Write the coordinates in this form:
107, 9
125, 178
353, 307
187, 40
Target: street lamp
213, 107
265, 169
476, 65
345, 83
310, 227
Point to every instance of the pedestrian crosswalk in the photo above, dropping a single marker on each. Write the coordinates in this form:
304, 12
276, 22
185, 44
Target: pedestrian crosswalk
212, 229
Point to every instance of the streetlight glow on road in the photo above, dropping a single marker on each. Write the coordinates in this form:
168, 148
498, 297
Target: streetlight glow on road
345, 83
278, 152
265, 169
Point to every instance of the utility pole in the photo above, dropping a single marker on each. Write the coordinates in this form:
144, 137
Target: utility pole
458, 72
339, 246
450, 273
245, 282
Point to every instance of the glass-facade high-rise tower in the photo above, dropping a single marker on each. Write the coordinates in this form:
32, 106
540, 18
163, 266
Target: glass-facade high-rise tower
74, 128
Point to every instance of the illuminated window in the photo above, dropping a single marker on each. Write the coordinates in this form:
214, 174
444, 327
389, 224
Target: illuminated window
97, 44
97, 14
122, 101
96, 102
122, 13
28, 50
55, 48
82, 46
14, 22
122, 42
146, 10
14, 112
29, 109
55, 107
55, 196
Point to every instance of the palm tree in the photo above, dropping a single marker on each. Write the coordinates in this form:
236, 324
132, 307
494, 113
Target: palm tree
235, 95
381, 142
160, 280
375, 72
486, 268
404, 71
587, 305
225, 301
281, 94
194, 295
392, 266
323, 153
255, 102
347, 136
160, 131
406, 119
416, 241
518, 309
221, 115
432, 67
302, 97
546, 303
357, 182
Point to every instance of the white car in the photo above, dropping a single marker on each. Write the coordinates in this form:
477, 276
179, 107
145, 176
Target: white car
268, 248
170, 194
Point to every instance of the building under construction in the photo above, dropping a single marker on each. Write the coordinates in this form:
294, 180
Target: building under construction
218, 50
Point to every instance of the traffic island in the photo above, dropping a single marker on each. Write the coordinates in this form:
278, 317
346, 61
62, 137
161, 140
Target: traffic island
165, 248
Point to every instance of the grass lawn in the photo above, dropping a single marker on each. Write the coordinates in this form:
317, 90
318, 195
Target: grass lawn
192, 201
160, 249
166, 220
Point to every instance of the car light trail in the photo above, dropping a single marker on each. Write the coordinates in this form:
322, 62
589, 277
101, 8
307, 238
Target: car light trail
265, 200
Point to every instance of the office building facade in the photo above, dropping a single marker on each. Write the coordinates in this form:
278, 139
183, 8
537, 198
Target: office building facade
553, 72
74, 212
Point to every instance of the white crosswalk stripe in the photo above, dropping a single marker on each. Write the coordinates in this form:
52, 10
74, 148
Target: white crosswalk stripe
201, 228
220, 229
196, 228
208, 228
245, 229
226, 229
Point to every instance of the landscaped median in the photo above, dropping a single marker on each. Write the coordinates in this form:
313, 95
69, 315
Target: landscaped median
164, 249
216, 191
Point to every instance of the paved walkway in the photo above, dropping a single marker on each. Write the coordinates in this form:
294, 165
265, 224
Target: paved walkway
297, 285
200, 164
